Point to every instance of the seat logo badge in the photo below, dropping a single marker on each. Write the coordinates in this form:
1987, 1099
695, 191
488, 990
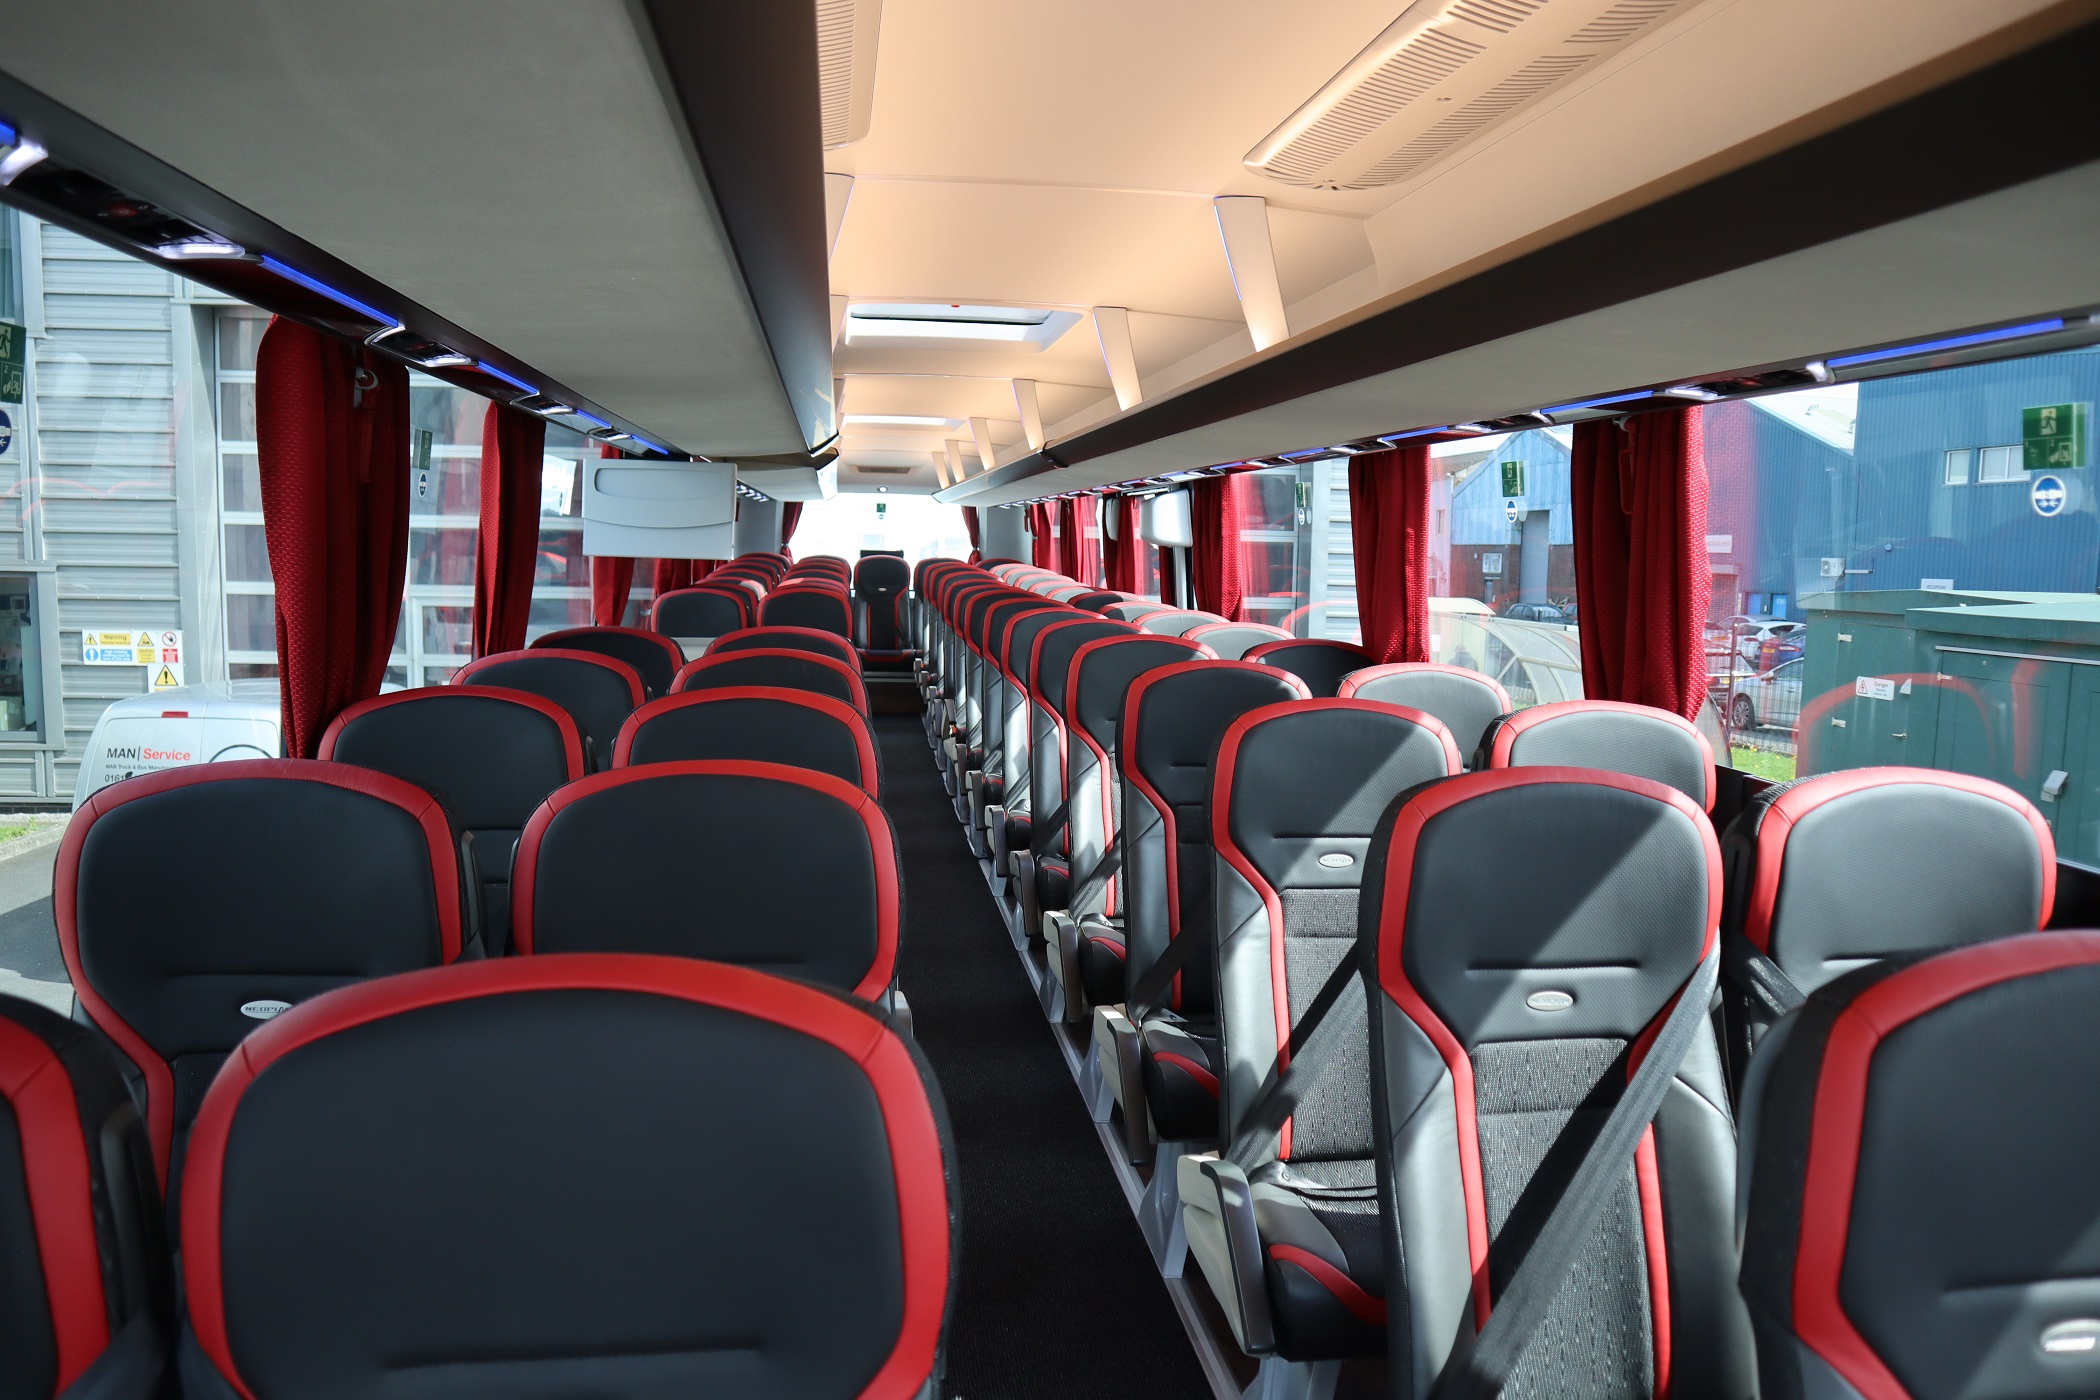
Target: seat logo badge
265, 1010
1550, 1001
1337, 860
2078, 1337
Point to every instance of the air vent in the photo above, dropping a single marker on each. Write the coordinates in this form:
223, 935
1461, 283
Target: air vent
865, 470
847, 31
1439, 76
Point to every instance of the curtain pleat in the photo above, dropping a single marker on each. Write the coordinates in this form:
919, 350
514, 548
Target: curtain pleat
332, 449
970, 523
1217, 508
1389, 527
508, 545
790, 517
1642, 577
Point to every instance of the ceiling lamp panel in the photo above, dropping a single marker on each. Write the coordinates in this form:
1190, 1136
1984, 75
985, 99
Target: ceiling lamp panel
1442, 74
847, 32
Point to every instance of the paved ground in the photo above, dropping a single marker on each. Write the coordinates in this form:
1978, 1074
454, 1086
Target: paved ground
29, 962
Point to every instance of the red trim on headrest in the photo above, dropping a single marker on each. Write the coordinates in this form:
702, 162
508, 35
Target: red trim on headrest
1356, 680
1401, 844
1260, 653
837, 647
59, 1179
711, 661
1776, 827
571, 737
1229, 851
1132, 702
746, 605
1830, 1174
1006, 634
466, 673
916, 1159
65, 892
1513, 725
525, 870
1279, 634
552, 641
838, 710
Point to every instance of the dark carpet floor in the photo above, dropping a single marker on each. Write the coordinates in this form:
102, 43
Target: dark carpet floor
1057, 1295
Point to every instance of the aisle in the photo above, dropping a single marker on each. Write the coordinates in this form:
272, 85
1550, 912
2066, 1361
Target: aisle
1057, 1295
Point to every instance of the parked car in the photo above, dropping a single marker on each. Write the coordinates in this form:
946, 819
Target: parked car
1771, 700
1765, 642
175, 728
1535, 612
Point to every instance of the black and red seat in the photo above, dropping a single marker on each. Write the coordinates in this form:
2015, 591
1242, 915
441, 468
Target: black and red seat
1512, 1004
1161, 1061
807, 639
880, 582
1095, 600
1466, 701
1084, 941
1233, 640
704, 610
776, 667
598, 692
518, 1178
779, 868
1321, 662
759, 724
1919, 1139
1829, 873
654, 656
85, 1292
1636, 739
1172, 622
1007, 821
193, 904
828, 609
1134, 609
1297, 791
490, 756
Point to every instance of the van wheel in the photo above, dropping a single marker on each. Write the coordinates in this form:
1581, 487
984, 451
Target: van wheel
1742, 714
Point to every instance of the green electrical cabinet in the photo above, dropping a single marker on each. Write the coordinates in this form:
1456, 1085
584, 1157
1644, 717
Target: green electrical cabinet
2002, 685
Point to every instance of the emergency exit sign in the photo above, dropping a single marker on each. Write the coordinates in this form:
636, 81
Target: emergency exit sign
1512, 478
13, 339
2053, 436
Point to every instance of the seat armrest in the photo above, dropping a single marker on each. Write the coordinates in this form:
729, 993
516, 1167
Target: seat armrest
1119, 1050
1218, 1214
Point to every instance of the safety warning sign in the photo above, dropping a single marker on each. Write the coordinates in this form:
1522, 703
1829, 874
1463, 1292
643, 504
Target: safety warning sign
167, 675
134, 646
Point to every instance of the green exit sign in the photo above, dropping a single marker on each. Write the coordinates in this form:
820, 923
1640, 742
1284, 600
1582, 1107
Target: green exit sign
2053, 436
1512, 478
13, 341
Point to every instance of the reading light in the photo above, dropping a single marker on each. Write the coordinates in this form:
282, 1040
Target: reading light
22, 154
206, 245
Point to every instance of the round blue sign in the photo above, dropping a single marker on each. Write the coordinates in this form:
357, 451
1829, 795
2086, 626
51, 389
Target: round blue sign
2048, 496
7, 430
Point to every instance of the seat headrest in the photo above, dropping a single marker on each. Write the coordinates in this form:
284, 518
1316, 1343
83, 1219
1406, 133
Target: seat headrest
536, 669
1103, 670
758, 724
1051, 664
881, 573
805, 605
1918, 1139
1172, 622
1233, 640
625, 1174
790, 670
1174, 717
1297, 787
799, 871
1466, 701
1319, 662
1095, 600
809, 639
1620, 899
701, 611
1842, 868
1018, 645
489, 755
654, 656
1636, 739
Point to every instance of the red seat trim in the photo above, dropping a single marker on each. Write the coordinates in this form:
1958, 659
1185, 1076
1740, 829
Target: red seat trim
855, 685
1513, 726
65, 892
837, 647
918, 1164
839, 710
1356, 680
881, 848
571, 737
552, 641
465, 674
1350, 1294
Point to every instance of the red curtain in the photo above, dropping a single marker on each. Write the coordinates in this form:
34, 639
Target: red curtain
509, 540
1642, 577
1067, 526
969, 515
1121, 555
669, 574
611, 581
1218, 563
1042, 550
1389, 527
1087, 543
332, 443
790, 517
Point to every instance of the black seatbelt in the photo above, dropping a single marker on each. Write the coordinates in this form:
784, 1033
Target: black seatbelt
1041, 838
1102, 872
1313, 1042
1478, 1368
1754, 973
1144, 998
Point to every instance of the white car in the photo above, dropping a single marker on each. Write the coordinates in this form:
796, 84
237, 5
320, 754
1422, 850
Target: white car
175, 728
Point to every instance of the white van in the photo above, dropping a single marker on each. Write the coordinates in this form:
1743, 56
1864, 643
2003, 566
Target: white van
178, 727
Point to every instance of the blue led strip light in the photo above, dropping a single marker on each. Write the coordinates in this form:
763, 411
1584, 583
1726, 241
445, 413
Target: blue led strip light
1952, 342
1601, 402
292, 274
510, 379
